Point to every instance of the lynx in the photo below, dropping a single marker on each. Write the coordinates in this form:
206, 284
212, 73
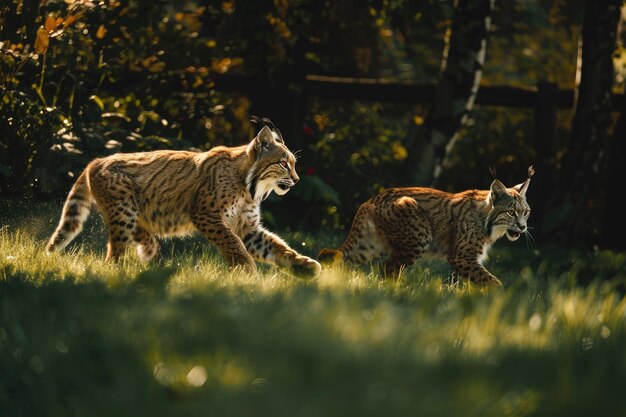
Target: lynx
147, 195
402, 223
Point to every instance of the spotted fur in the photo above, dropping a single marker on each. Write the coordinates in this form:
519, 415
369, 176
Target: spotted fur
144, 196
401, 224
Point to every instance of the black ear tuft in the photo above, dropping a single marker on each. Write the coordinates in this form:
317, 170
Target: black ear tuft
268, 122
492, 171
264, 121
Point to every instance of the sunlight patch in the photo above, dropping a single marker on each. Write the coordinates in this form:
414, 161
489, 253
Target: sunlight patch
197, 376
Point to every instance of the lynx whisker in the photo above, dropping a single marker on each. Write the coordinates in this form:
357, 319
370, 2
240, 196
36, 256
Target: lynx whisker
530, 240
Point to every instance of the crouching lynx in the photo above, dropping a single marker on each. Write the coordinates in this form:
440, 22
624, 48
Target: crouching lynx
171, 193
402, 223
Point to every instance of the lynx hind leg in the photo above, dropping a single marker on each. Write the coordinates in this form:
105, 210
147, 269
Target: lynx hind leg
114, 193
122, 222
148, 247
362, 244
408, 233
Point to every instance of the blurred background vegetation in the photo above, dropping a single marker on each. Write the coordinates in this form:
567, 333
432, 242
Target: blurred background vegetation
82, 79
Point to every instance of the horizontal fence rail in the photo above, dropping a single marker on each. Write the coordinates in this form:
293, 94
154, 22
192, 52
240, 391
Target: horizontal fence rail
370, 89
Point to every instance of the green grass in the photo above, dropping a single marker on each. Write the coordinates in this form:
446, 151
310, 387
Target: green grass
79, 336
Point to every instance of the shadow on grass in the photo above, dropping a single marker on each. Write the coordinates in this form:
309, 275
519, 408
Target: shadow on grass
71, 348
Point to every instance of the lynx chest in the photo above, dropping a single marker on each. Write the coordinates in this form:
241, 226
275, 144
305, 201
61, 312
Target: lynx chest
242, 215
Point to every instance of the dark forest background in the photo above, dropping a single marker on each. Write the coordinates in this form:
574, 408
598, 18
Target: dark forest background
374, 93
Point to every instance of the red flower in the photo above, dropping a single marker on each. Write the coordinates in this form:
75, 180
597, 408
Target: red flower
307, 130
310, 171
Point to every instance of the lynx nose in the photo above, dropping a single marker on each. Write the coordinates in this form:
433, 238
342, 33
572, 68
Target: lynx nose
295, 178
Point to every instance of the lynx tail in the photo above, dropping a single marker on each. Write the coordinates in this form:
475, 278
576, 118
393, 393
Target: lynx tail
75, 211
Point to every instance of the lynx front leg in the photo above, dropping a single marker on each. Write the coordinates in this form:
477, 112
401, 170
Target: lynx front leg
229, 244
475, 272
467, 259
269, 248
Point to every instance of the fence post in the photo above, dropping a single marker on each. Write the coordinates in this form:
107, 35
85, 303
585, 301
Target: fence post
545, 144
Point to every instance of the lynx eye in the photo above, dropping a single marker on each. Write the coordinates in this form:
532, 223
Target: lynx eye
526, 213
284, 164
511, 213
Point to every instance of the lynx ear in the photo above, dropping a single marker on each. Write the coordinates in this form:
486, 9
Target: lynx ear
523, 187
263, 140
496, 191
264, 121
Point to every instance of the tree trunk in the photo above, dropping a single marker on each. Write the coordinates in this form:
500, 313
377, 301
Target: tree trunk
462, 64
614, 230
578, 203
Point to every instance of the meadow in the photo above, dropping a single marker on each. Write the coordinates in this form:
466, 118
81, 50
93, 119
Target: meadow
187, 337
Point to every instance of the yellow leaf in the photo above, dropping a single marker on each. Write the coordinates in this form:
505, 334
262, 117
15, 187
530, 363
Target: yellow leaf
146, 62
71, 19
50, 24
228, 7
101, 32
399, 151
42, 41
157, 67
98, 101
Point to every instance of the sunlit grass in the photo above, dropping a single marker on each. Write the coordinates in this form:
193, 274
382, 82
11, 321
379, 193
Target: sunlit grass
189, 335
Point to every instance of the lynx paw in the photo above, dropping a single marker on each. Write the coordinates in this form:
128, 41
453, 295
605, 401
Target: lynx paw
494, 283
305, 267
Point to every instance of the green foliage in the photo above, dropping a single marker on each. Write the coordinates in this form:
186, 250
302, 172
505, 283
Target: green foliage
84, 79
79, 336
28, 132
81, 80
499, 136
355, 144
533, 43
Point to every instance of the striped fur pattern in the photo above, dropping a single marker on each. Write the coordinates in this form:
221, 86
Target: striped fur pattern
401, 224
144, 196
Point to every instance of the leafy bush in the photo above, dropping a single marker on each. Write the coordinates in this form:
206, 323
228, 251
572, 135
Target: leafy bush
83, 79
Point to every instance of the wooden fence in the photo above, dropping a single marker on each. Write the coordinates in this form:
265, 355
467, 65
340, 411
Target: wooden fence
546, 98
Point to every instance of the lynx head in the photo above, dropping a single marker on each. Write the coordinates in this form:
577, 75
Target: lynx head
509, 209
274, 166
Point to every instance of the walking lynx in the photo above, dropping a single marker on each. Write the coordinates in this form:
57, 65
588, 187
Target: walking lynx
174, 193
402, 223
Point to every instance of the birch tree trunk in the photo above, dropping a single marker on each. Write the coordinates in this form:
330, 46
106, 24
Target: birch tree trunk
461, 70
579, 199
